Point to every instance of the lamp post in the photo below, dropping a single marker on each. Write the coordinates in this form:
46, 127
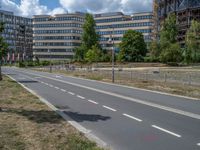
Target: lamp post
111, 40
49, 51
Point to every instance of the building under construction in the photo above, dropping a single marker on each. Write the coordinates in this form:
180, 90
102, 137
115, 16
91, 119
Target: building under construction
185, 10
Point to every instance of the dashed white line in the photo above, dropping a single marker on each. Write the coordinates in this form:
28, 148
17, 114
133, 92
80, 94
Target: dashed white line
81, 97
198, 144
109, 108
63, 90
129, 116
46, 84
56, 87
70, 93
50, 85
167, 131
91, 101
42, 82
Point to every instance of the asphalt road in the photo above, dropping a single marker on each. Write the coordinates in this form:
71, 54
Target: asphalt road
124, 118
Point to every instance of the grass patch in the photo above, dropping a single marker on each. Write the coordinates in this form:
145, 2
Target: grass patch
27, 123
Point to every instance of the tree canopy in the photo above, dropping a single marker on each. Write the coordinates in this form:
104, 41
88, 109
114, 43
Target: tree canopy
89, 38
133, 47
170, 48
192, 53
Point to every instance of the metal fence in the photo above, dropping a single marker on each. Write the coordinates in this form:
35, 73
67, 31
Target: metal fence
173, 76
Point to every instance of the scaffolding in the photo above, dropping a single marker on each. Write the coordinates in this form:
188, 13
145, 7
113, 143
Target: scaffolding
185, 10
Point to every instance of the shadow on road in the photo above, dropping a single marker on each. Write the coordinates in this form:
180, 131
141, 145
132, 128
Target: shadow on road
86, 117
27, 81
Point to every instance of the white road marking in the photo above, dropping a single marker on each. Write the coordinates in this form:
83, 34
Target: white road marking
46, 84
71, 93
198, 144
109, 108
58, 76
50, 85
37, 77
42, 82
129, 116
63, 90
81, 97
91, 101
167, 131
166, 108
56, 87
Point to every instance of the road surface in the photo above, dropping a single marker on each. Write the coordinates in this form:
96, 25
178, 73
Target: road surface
124, 118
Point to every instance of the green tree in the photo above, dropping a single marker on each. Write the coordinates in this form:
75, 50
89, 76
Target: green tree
172, 53
133, 47
3, 47
93, 55
170, 49
155, 50
89, 37
192, 53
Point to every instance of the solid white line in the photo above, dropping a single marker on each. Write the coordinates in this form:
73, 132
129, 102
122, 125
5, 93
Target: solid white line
166, 108
198, 144
167, 131
56, 87
91, 101
63, 90
81, 97
71, 93
109, 108
129, 116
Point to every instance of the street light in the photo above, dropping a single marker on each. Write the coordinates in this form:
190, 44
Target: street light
111, 40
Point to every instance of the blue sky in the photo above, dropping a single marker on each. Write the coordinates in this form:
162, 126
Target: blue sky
29, 8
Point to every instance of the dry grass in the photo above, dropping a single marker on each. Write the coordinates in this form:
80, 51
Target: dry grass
27, 123
173, 88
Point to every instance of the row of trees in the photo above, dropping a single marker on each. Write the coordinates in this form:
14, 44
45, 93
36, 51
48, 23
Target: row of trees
167, 49
132, 47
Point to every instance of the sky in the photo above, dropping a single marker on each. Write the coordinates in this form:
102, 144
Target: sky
28, 8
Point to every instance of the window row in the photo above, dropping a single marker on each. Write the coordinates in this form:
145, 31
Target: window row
57, 38
123, 32
125, 25
57, 25
55, 56
57, 31
107, 39
53, 50
56, 44
142, 17
111, 20
58, 19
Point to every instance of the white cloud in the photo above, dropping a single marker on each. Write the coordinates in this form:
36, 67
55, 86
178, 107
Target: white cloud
33, 7
99, 6
28, 8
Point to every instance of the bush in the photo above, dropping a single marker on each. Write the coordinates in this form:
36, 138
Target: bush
151, 59
22, 64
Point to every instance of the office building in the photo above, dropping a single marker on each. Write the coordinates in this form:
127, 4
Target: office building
116, 24
55, 37
185, 10
18, 34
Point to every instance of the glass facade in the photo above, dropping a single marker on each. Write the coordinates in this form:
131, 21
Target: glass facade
117, 24
17, 33
55, 37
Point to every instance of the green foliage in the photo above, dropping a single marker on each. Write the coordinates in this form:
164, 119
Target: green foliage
155, 49
132, 47
169, 31
89, 38
172, 53
192, 53
170, 49
93, 55
3, 44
